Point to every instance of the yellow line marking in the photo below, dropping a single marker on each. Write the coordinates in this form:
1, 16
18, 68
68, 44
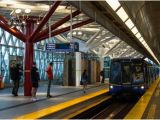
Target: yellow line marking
151, 112
157, 93
86, 108
137, 111
50, 110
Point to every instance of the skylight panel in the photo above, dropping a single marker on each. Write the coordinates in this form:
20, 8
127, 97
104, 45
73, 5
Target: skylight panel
122, 14
134, 30
114, 4
138, 35
141, 39
129, 23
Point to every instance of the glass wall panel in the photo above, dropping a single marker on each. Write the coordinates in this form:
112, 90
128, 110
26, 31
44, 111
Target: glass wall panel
11, 47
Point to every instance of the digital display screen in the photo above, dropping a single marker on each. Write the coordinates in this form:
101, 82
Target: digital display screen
62, 47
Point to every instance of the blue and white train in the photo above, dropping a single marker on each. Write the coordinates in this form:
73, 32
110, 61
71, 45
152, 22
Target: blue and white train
131, 76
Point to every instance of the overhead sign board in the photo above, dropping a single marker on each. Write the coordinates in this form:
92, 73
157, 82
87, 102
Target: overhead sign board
62, 47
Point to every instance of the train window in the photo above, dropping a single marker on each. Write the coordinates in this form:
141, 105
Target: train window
126, 77
115, 73
138, 74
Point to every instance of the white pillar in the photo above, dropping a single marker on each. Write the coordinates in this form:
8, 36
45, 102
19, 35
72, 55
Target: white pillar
101, 59
78, 68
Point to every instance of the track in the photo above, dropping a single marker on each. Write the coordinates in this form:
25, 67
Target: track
110, 109
100, 107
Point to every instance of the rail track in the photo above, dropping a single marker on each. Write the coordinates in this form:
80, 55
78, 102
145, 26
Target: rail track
109, 109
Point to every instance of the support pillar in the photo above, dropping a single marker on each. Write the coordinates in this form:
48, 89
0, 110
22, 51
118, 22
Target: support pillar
101, 57
28, 59
101, 62
28, 65
78, 68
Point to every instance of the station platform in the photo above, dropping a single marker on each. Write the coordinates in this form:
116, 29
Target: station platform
148, 105
20, 106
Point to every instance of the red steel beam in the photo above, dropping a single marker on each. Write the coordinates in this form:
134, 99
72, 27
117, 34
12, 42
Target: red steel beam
44, 20
57, 24
4, 20
62, 30
12, 31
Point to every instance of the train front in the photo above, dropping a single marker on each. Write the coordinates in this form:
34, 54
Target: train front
126, 78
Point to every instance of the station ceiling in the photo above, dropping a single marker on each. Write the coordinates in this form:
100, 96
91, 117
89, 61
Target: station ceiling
145, 15
105, 36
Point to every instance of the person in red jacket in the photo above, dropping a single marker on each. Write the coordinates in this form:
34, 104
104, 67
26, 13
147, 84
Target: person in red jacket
50, 77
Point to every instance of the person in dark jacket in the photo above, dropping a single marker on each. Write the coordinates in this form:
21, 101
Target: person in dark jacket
84, 79
14, 74
13, 78
34, 78
102, 76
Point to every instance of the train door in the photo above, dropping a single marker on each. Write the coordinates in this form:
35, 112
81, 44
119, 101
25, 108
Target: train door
126, 73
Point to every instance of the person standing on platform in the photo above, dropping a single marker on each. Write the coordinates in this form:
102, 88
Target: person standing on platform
18, 77
14, 73
84, 80
102, 76
13, 77
34, 78
50, 77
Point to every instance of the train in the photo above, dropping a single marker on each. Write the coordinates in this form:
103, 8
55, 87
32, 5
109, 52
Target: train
131, 76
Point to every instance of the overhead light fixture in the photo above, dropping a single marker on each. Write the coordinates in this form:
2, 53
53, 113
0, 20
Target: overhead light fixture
129, 23
122, 14
12, 12
68, 33
18, 11
23, 22
114, 4
37, 22
27, 10
98, 36
134, 30
74, 33
107, 37
79, 33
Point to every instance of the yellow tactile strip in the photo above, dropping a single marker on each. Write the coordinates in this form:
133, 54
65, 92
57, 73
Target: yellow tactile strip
52, 109
137, 111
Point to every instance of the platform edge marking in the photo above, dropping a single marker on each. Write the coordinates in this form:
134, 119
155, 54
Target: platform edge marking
137, 111
52, 109
151, 111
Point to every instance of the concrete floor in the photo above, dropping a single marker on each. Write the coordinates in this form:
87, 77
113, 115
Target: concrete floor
22, 105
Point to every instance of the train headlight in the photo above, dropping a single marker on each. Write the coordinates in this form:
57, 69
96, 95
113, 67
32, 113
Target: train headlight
111, 86
142, 87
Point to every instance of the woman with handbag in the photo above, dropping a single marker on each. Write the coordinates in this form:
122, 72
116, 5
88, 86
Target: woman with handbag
84, 80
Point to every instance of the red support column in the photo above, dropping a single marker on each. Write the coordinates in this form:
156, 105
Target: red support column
28, 59
28, 65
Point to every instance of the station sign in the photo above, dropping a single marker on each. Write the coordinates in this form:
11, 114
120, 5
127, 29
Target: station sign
62, 47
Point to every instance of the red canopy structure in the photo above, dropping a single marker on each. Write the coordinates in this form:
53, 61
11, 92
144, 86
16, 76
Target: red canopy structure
35, 34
